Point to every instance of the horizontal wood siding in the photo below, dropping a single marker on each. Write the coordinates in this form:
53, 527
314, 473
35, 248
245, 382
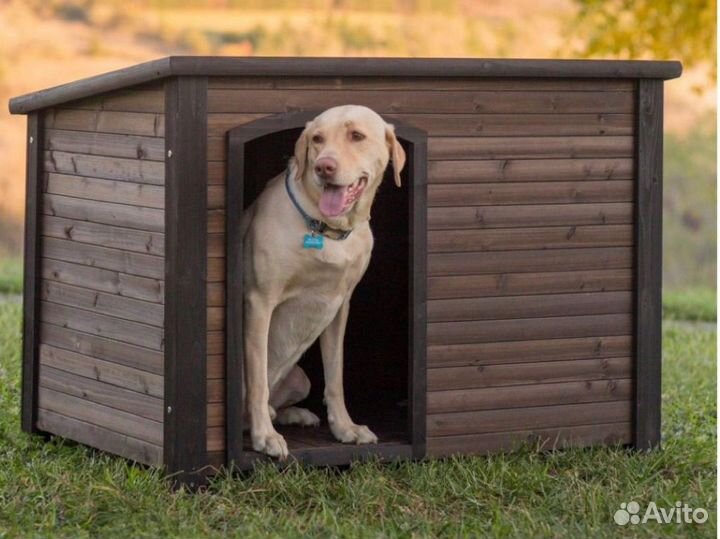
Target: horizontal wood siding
530, 248
102, 274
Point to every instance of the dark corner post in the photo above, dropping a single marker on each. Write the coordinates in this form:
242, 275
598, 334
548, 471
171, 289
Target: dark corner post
31, 273
648, 277
184, 445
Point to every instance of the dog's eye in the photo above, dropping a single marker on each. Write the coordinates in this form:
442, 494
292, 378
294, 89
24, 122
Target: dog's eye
357, 136
318, 139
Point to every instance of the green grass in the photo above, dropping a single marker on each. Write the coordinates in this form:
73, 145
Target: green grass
695, 304
60, 489
11, 275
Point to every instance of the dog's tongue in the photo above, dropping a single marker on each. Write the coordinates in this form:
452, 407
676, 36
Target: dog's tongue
333, 200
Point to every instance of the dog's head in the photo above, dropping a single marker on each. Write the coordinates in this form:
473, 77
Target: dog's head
341, 157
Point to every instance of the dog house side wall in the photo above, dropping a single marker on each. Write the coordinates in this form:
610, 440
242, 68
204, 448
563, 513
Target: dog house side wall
531, 248
100, 273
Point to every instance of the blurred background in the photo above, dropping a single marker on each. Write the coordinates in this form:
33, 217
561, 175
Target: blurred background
49, 42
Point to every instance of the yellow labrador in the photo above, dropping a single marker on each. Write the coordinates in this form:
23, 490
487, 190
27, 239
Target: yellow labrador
307, 244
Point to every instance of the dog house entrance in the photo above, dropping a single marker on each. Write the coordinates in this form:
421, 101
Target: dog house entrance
384, 367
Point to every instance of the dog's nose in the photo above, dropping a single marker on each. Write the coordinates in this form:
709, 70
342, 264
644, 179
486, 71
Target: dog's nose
326, 167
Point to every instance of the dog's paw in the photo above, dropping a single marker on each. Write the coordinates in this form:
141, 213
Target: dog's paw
272, 444
292, 415
354, 434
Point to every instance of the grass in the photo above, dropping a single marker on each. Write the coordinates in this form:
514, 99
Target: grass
695, 304
60, 489
11, 275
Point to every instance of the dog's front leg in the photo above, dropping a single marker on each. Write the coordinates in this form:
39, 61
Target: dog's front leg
265, 438
331, 346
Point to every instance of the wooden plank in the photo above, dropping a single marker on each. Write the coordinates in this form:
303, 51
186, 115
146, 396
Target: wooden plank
215, 318
125, 100
106, 121
101, 280
524, 170
498, 308
530, 261
216, 270
126, 239
121, 215
216, 245
521, 374
106, 144
101, 416
491, 194
99, 190
606, 434
110, 395
215, 367
215, 415
477, 148
410, 101
481, 217
481, 125
110, 304
216, 294
109, 350
108, 168
440, 82
216, 221
184, 447
100, 438
514, 239
541, 394
101, 257
216, 197
529, 328
648, 273
215, 390
493, 353
538, 417
520, 284
107, 372
31, 273
102, 325
215, 343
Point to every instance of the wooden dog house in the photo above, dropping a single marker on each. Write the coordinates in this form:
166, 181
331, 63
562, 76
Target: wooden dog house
514, 293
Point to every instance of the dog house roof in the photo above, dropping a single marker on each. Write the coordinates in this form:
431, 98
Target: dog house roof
341, 67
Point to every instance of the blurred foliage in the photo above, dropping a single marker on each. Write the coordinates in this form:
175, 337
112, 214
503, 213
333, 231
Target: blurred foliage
694, 304
662, 29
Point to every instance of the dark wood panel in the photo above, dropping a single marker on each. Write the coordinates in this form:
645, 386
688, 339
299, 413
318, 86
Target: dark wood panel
107, 372
518, 284
110, 350
494, 353
135, 100
538, 417
113, 305
529, 328
88, 389
102, 325
514, 239
121, 215
106, 121
255, 101
101, 438
109, 168
497, 308
523, 374
542, 438
126, 239
532, 215
102, 280
102, 416
476, 148
101, 257
530, 261
543, 170
531, 395
106, 144
99, 190
481, 125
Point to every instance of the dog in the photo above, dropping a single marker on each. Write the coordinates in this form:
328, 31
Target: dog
307, 244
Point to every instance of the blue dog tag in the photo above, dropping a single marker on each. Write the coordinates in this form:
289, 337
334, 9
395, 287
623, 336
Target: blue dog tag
312, 242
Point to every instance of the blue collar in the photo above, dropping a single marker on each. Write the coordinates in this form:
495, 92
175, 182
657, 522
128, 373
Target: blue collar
315, 225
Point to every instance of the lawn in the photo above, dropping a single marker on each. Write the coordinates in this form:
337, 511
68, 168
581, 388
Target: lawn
60, 489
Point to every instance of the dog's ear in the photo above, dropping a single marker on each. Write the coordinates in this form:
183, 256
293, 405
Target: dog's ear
301, 151
397, 154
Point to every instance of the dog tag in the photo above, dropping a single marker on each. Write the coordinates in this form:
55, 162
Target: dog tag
312, 242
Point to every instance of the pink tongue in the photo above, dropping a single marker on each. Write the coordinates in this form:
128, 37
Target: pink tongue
333, 199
